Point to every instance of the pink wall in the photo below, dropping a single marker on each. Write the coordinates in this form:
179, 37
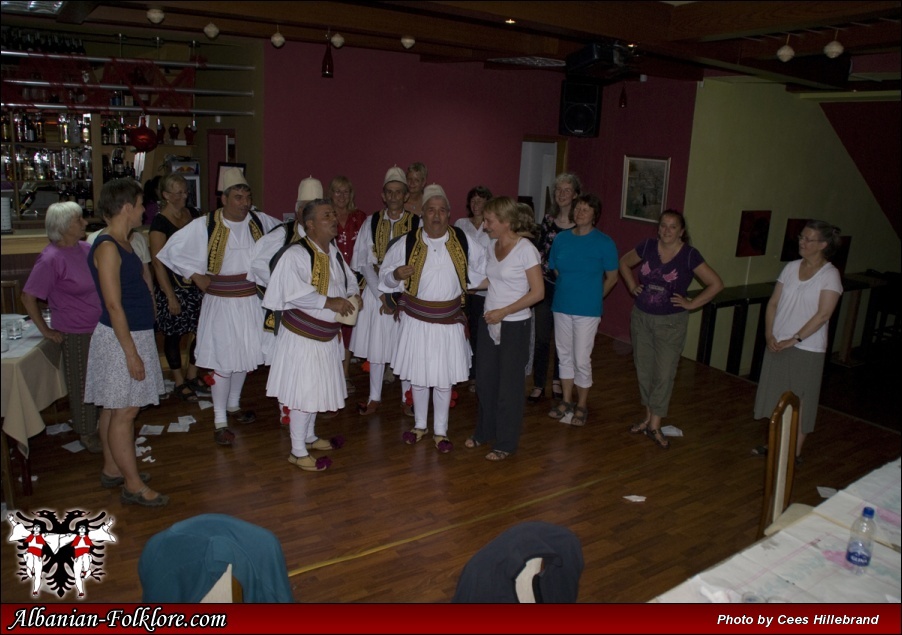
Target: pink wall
465, 123
657, 123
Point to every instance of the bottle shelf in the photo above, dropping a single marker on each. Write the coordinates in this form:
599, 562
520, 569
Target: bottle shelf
53, 145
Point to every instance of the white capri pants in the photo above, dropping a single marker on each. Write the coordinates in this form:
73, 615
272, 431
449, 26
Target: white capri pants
574, 338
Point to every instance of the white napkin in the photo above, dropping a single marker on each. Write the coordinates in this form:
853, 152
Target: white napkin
495, 332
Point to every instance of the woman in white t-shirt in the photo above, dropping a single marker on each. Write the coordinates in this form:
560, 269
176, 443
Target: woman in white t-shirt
514, 274
796, 320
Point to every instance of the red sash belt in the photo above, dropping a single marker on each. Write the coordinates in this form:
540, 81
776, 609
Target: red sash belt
448, 312
305, 325
236, 286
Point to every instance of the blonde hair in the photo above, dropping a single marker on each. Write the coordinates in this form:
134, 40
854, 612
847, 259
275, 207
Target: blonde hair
519, 216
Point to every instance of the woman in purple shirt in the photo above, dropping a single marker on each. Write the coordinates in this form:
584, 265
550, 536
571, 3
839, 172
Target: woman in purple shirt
661, 314
62, 278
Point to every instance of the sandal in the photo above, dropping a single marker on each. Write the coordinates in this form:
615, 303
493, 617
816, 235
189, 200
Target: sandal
536, 395
414, 435
443, 444
137, 498
639, 428
580, 414
367, 408
657, 436
556, 391
310, 464
497, 455
561, 410
186, 393
471, 443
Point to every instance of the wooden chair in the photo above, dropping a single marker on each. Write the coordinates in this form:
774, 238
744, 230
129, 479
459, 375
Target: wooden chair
783, 436
11, 297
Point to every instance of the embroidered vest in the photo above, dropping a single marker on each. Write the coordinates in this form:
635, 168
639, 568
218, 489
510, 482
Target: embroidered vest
218, 238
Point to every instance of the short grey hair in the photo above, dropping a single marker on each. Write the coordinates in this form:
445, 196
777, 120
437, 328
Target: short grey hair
59, 217
309, 211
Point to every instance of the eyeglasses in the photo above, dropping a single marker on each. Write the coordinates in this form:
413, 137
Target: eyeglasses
802, 239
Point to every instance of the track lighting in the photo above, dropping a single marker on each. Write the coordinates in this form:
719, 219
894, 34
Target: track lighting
211, 31
277, 39
337, 41
407, 41
786, 52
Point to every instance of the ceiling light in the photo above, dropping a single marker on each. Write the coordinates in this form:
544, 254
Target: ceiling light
407, 41
510, 21
211, 31
337, 41
834, 49
786, 52
155, 15
277, 39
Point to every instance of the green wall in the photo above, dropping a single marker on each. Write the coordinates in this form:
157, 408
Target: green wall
757, 147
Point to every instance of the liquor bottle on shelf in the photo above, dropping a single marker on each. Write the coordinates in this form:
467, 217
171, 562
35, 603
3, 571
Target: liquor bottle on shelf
118, 166
7, 126
40, 128
161, 132
18, 127
74, 130
86, 129
190, 131
64, 128
173, 131
105, 132
31, 133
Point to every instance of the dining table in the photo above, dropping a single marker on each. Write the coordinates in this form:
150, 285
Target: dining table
32, 379
806, 561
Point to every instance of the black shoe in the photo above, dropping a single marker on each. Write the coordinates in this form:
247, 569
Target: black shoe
536, 395
243, 416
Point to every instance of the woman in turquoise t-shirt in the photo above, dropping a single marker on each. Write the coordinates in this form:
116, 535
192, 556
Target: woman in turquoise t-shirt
585, 261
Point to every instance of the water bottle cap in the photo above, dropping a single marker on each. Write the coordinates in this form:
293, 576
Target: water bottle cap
868, 512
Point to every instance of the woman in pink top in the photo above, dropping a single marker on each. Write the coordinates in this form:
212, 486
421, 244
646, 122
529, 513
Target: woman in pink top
61, 277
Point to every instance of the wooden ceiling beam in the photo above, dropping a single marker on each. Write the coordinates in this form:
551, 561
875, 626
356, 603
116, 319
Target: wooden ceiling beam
706, 21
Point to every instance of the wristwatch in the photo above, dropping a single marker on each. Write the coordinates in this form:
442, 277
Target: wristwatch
798, 337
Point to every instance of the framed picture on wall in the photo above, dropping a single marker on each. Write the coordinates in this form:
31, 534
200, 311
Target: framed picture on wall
754, 228
193, 181
644, 188
222, 167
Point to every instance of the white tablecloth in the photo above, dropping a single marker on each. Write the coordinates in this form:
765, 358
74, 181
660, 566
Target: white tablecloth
32, 379
806, 561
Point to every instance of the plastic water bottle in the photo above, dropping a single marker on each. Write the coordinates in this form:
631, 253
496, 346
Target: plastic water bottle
861, 541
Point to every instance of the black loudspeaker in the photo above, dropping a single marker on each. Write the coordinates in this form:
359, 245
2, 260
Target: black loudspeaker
580, 109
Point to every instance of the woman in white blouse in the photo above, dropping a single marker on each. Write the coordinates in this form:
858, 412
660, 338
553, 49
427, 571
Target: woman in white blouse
514, 274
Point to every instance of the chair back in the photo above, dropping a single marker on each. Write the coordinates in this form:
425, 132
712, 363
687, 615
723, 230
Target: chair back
12, 297
782, 438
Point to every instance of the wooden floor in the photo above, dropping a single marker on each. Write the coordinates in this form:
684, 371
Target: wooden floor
396, 523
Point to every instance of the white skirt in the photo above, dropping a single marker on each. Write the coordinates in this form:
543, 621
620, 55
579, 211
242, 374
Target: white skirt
107, 382
375, 335
230, 333
434, 355
306, 374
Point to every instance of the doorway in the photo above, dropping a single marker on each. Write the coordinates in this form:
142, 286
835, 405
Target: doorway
541, 160
220, 149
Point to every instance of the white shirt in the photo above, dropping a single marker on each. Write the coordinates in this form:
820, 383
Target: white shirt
799, 302
507, 278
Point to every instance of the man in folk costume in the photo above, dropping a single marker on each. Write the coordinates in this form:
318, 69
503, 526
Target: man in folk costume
215, 252
266, 248
309, 287
432, 267
375, 335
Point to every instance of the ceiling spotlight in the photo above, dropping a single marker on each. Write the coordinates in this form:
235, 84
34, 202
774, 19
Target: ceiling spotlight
407, 41
786, 52
277, 39
155, 15
834, 49
338, 41
211, 31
